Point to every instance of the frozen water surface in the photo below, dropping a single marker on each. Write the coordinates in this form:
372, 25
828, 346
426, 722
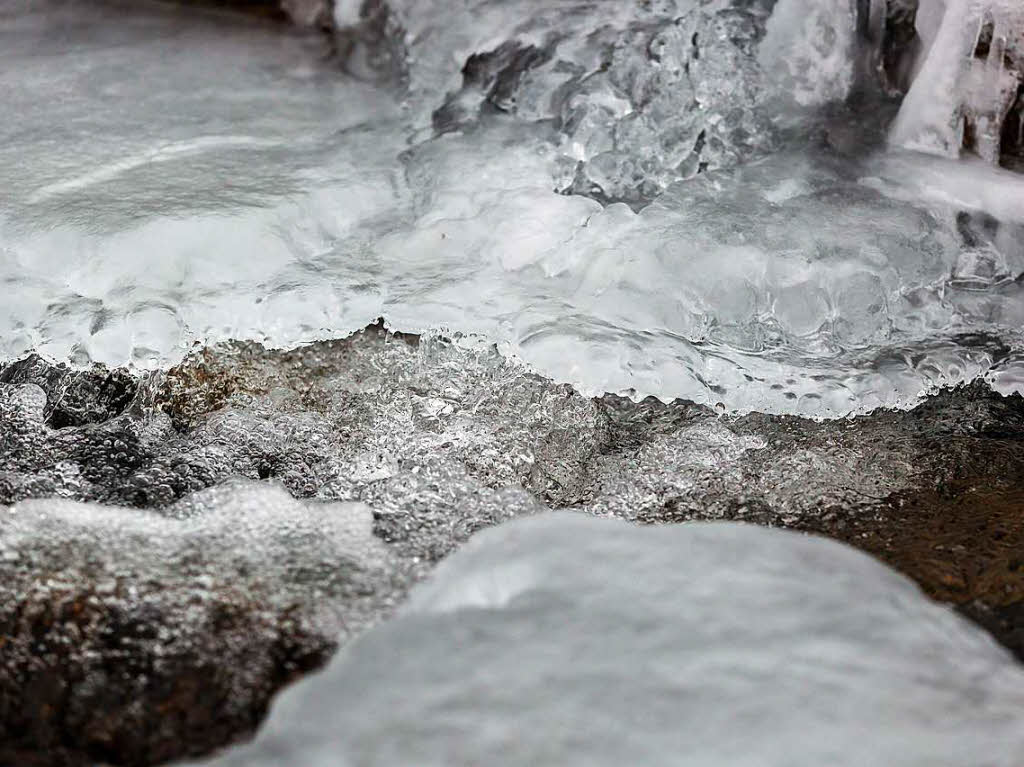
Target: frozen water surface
672, 198
579, 641
171, 178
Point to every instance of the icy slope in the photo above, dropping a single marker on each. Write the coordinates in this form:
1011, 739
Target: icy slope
970, 76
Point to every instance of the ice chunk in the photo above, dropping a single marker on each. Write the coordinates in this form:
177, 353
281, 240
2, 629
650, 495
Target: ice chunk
641, 94
572, 640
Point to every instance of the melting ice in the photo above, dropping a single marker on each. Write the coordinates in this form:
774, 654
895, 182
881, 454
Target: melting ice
657, 200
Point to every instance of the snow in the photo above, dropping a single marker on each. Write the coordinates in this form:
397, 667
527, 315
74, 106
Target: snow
564, 639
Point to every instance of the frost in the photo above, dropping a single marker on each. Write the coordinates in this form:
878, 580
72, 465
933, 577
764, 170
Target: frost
138, 637
235, 530
584, 641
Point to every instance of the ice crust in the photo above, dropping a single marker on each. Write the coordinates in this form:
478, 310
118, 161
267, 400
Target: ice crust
572, 640
172, 179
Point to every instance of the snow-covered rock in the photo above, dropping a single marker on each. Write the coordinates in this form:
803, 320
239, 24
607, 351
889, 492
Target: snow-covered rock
578, 641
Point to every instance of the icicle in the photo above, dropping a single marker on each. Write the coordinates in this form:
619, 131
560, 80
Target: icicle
968, 79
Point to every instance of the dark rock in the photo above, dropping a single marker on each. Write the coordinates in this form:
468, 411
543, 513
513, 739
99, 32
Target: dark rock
74, 397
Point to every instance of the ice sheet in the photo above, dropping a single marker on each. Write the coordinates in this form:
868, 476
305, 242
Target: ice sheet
173, 178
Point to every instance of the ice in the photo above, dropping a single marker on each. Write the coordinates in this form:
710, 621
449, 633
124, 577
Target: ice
178, 178
167, 176
826, 271
812, 45
970, 77
572, 640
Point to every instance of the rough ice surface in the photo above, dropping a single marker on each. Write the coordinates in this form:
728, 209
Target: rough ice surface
811, 46
584, 641
249, 587
259, 192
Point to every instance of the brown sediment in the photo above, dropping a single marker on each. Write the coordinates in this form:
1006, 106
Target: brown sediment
963, 545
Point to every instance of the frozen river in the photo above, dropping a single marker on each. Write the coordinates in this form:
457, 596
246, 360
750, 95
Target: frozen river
725, 211
170, 178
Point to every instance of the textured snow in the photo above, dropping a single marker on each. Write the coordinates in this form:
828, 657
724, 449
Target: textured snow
170, 178
562, 639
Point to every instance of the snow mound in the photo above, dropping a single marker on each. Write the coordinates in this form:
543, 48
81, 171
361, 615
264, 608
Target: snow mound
562, 639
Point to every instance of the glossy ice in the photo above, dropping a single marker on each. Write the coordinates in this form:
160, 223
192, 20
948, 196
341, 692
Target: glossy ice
172, 178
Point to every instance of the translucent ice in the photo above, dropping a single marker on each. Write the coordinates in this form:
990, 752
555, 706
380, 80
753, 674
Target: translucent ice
971, 75
172, 178
571, 640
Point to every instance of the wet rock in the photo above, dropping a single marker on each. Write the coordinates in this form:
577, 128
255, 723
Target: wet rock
132, 638
74, 397
439, 439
